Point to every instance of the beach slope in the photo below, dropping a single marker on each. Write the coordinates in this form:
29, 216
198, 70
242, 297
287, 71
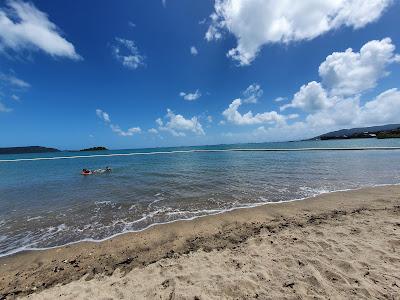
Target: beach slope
341, 245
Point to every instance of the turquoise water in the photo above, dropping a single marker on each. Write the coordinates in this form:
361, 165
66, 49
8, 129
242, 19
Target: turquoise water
46, 203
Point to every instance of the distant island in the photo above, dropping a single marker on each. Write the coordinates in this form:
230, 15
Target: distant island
27, 149
40, 149
379, 132
95, 149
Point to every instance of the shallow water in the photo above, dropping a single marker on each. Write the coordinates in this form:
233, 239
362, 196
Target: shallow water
48, 203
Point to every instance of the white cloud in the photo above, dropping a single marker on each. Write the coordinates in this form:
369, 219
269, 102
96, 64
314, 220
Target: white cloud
234, 116
105, 117
280, 99
345, 76
190, 96
129, 132
214, 30
335, 104
177, 125
349, 112
153, 131
385, 108
3, 108
14, 81
255, 23
346, 113
164, 3
209, 119
23, 27
126, 52
159, 122
348, 73
193, 51
10, 85
252, 93
343, 113
311, 97
131, 24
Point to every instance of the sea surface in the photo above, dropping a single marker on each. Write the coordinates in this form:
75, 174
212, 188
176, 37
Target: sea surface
47, 203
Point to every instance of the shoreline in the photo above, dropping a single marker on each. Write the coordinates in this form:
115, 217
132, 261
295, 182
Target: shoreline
255, 205
31, 271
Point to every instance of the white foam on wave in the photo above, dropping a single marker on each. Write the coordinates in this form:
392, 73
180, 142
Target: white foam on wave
106, 202
57, 229
34, 218
216, 212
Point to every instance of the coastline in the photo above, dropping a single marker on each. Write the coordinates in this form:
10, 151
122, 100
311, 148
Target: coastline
28, 272
209, 214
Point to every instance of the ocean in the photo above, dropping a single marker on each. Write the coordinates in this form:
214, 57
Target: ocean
47, 203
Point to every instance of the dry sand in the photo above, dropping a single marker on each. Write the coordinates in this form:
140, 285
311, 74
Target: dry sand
344, 245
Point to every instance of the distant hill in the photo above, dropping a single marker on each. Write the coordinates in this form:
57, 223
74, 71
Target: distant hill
94, 149
384, 131
28, 149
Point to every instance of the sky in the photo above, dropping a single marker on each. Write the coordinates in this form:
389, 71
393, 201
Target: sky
133, 74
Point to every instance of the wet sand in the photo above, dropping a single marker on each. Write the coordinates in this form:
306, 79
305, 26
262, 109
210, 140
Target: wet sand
343, 245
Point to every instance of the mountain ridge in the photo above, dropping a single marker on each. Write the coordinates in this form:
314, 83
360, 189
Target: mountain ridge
381, 131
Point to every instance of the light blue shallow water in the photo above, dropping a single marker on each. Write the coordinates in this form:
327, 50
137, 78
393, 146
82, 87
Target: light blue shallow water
48, 203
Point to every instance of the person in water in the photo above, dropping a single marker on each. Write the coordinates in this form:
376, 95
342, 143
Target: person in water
99, 171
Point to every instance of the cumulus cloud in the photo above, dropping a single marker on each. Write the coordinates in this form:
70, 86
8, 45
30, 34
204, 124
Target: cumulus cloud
153, 131
160, 122
336, 102
129, 132
234, 116
346, 113
105, 117
190, 96
194, 51
178, 125
252, 93
24, 27
348, 73
311, 97
127, 53
255, 23
280, 99
385, 108
342, 113
345, 76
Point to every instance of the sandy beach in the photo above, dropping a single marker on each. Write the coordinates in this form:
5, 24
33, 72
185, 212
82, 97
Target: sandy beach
342, 245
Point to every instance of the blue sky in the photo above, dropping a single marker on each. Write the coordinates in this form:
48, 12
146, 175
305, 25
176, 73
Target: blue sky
130, 74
